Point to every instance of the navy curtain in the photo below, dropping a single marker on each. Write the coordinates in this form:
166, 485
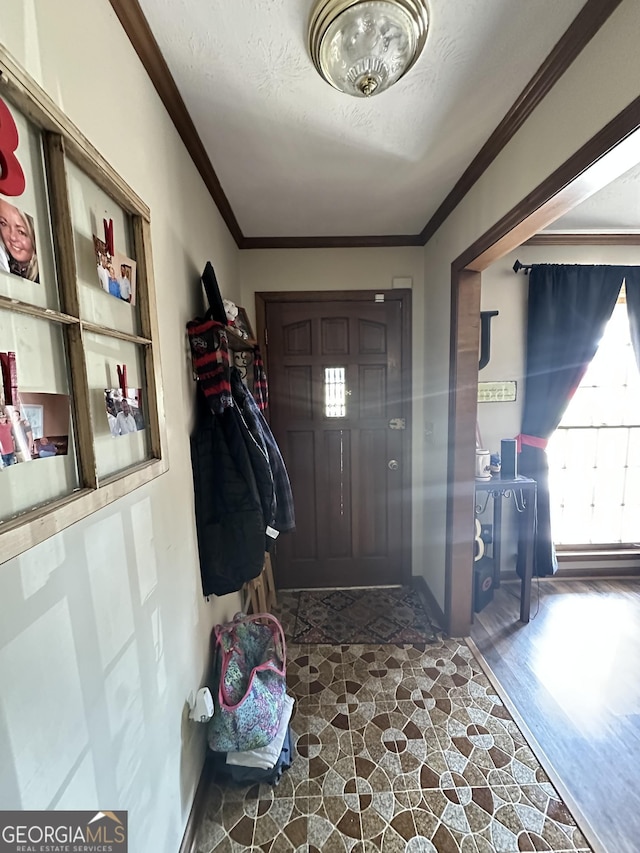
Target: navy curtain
632, 286
569, 306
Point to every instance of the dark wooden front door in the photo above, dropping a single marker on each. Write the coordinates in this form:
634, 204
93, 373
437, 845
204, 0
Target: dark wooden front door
340, 416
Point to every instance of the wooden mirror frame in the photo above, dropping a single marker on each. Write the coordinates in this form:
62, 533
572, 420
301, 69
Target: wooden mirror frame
63, 141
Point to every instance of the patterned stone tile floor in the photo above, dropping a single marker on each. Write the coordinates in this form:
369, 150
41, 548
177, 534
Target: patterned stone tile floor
402, 749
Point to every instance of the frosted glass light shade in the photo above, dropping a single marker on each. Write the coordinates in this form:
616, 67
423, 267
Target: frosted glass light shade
361, 47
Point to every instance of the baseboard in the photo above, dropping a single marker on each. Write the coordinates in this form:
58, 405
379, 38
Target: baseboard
197, 808
599, 572
583, 824
582, 573
611, 556
422, 588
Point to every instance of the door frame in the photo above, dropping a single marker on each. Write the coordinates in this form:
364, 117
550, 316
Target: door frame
403, 296
606, 156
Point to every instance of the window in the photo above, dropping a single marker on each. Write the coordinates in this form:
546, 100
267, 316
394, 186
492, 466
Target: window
594, 456
79, 391
335, 392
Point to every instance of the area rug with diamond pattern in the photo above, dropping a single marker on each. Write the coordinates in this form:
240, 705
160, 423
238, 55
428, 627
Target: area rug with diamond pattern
394, 615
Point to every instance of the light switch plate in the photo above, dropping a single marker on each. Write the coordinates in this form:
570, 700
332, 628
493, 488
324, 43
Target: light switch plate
497, 392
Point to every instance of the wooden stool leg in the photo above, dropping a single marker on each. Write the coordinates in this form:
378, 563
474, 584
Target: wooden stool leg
272, 599
261, 591
255, 597
262, 594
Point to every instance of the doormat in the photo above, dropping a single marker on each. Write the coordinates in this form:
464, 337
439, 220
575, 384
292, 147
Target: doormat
345, 616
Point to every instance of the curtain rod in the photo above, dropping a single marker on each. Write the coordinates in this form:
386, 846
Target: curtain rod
518, 266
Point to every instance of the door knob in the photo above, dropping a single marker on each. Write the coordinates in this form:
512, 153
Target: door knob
392, 464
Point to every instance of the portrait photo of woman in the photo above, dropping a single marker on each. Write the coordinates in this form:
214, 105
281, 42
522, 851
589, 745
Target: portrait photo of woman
18, 254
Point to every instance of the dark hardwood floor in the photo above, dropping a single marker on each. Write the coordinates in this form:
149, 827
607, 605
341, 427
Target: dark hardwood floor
573, 674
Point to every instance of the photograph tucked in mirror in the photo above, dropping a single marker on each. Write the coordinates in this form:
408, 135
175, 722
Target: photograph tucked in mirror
124, 413
18, 253
35, 427
116, 273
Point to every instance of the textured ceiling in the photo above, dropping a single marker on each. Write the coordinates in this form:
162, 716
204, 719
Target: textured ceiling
614, 208
297, 158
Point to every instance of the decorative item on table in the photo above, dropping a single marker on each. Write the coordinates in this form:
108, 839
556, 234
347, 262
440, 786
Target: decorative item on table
478, 542
483, 464
509, 456
495, 464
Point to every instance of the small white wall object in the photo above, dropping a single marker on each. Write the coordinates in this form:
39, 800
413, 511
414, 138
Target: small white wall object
202, 709
402, 282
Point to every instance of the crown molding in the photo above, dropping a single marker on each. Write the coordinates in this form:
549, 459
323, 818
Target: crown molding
583, 28
145, 45
364, 242
586, 24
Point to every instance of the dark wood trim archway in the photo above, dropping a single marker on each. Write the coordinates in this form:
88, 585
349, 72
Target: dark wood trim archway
606, 238
606, 156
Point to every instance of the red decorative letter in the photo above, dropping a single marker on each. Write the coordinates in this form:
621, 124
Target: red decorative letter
12, 180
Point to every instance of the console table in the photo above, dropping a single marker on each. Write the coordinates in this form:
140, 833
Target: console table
523, 492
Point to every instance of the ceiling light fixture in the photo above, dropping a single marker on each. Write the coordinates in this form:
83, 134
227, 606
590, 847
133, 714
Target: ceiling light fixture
362, 47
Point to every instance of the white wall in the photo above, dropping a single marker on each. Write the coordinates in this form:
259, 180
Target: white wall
602, 81
103, 629
352, 269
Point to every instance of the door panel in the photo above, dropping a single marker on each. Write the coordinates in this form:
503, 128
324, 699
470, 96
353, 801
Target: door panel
335, 335
335, 494
372, 512
335, 384
300, 461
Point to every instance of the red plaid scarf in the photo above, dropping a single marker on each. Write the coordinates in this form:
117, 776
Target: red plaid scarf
260, 387
210, 355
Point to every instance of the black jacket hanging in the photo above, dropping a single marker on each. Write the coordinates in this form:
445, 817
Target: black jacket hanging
229, 520
240, 482
283, 517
